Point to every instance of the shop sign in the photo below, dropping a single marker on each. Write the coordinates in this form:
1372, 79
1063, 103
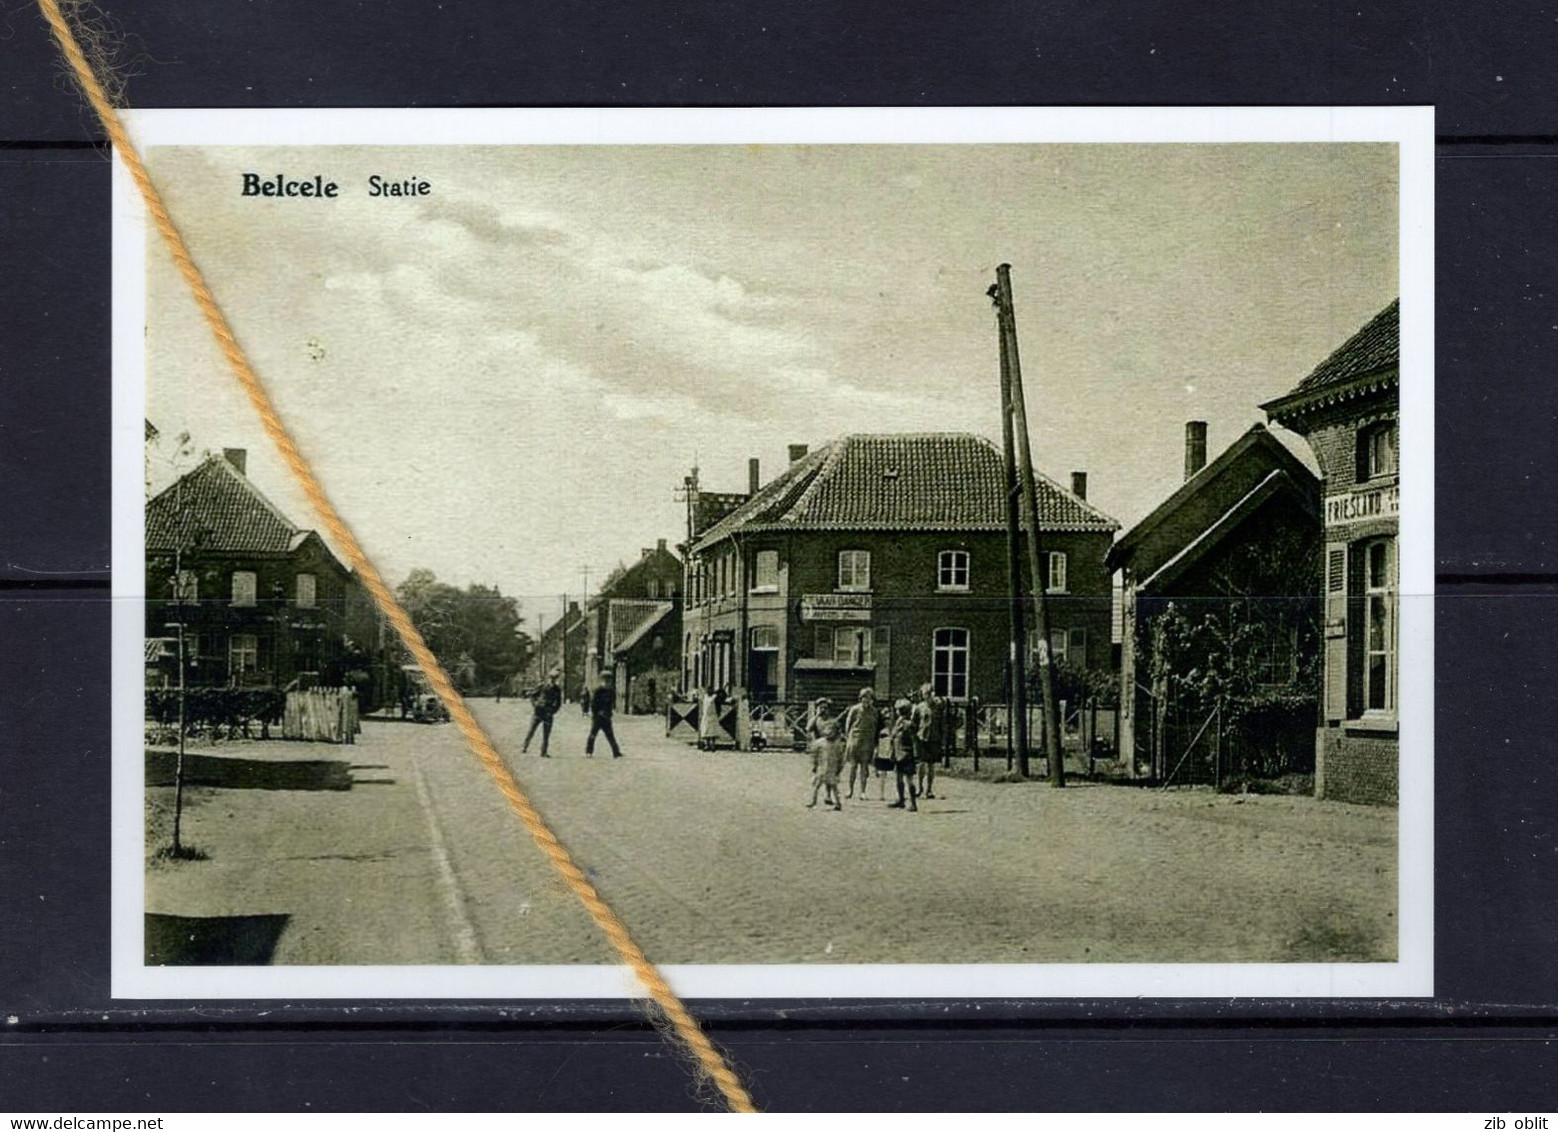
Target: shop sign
835, 607
1363, 505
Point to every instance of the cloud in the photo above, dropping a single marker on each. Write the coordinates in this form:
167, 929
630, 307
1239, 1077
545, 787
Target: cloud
485, 224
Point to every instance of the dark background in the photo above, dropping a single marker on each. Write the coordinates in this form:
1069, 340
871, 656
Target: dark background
1483, 1044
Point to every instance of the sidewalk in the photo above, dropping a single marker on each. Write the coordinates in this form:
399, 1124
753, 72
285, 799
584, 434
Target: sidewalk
316, 853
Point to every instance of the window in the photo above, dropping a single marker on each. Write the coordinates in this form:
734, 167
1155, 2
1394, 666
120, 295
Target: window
245, 586
765, 571
949, 663
306, 593
1377, 451
855, 570
243, 653
1379, 626
186, 587
1276, 657
952, 570
1064, 645
765, 638
1056, 582
847, 645
1077, 645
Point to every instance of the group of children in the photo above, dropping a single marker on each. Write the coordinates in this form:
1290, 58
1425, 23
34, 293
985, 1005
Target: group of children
914, 732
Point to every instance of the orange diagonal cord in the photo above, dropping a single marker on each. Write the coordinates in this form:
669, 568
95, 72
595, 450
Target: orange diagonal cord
686, 1027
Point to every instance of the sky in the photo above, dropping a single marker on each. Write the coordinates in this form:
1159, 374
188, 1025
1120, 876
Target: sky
505, 380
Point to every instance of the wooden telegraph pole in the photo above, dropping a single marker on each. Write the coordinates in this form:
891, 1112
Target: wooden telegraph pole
1017, 667
1016, 415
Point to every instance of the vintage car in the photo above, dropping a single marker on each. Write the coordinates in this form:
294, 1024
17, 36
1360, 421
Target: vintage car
418, 701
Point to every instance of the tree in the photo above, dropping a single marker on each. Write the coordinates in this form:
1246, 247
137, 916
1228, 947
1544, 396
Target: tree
476, 633
1243, 638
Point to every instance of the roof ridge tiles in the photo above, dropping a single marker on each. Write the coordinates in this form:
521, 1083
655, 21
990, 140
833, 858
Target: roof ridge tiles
911, 481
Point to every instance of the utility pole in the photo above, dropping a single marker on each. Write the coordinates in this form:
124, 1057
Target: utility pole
1018, 417
1017, 668
562, 643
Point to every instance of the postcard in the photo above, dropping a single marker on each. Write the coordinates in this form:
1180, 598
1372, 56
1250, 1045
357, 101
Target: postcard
902, 553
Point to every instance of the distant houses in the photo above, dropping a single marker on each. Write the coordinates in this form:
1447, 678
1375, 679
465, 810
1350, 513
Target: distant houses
260, 601
880, 560
633, 629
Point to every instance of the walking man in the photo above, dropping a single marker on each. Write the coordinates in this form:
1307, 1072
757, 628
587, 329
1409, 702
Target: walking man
544, 704
602, 704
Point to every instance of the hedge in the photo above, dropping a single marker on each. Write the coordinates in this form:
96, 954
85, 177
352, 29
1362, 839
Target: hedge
207, 709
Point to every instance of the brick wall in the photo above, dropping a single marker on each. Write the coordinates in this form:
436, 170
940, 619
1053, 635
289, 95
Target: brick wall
1355, 767
905, 598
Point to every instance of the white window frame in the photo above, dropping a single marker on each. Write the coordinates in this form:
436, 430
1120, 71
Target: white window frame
949, 564
841, 641
237, 653
855, 558
759, 585
1368, 438
943, 673
769, 632
186, 587
312, 597
1057, 558
1382, 598
246, 598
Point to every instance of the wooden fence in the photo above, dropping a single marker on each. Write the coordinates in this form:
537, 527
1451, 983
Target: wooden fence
321, 715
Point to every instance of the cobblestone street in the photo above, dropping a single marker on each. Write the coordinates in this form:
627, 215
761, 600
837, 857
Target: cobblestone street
714, 857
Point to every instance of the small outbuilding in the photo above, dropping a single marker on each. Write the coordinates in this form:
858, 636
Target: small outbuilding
1220, 622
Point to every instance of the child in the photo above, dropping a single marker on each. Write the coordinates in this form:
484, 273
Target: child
827, 760
903, 737
862, 725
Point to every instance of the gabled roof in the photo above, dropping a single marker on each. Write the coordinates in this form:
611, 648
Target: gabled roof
1257, 443
629, 621
1370, 358
937, 481
1275, 483
217, 507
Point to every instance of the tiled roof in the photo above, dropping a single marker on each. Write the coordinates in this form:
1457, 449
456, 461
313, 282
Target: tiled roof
939, 481
1373, 351
628, 620
223, 512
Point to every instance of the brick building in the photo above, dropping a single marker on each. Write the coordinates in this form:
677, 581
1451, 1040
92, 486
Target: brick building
633, 628
562, 648
261, 601
1232, 556
881, 560
1348, 409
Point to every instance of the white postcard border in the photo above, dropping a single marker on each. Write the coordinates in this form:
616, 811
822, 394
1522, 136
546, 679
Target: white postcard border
1410, 127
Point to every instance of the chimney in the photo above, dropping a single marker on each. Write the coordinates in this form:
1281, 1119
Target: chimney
796, 452
1195, 447
1079, 484
238, 458
754, 476
660, 545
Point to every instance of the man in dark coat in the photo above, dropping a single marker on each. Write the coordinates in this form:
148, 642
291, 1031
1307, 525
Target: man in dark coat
602, 704
544, 704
